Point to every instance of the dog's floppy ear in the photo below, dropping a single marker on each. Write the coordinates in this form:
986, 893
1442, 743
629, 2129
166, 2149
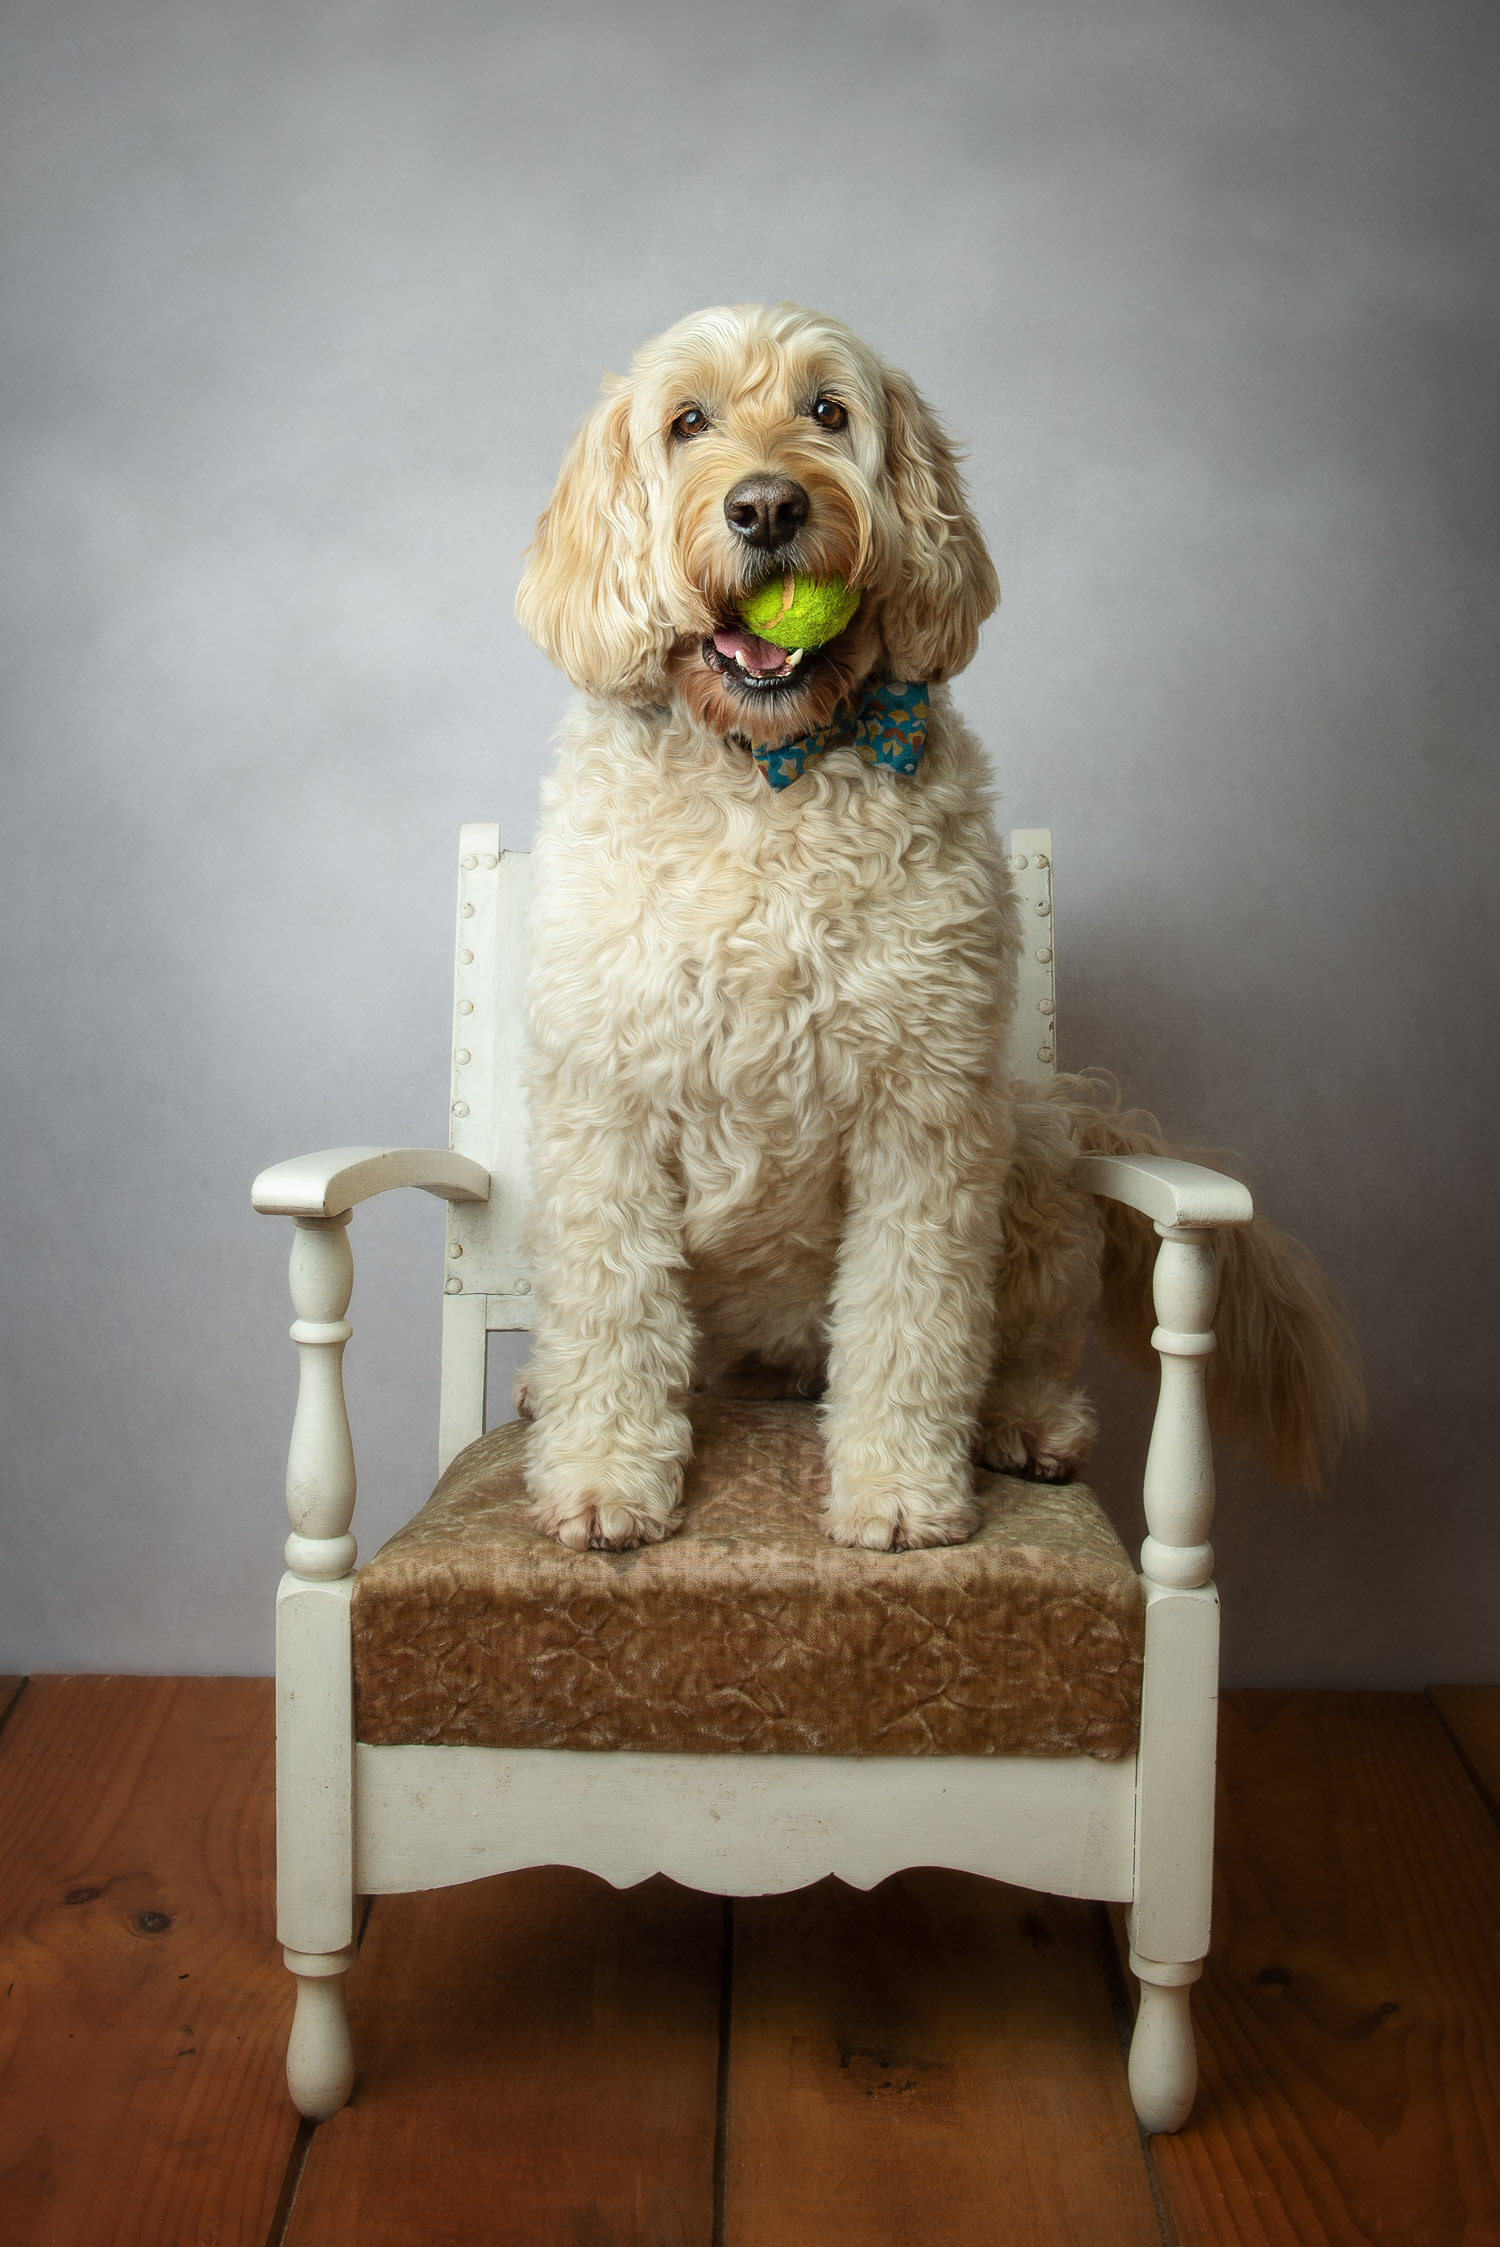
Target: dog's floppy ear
946, 585
586, 595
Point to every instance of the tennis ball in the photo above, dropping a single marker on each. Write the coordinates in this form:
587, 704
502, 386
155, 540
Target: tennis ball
799, 612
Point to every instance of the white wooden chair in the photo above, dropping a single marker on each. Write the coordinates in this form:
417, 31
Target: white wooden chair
357, 1820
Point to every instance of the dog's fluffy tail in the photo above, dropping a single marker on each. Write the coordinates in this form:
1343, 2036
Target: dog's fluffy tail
1285, 1379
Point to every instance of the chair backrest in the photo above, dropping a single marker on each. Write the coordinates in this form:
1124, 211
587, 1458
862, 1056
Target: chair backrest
487, 1283
1031, 1049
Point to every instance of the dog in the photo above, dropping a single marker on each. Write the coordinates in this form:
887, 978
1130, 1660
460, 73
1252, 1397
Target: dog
771, 970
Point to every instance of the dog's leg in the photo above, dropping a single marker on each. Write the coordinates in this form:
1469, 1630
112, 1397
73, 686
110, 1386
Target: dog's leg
613, 1347
913, 1315
1035, 1422
1033, 1418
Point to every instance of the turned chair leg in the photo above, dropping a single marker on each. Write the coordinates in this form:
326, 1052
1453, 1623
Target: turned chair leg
314, 1683
1163, 2058
319, 2055
1169, 1920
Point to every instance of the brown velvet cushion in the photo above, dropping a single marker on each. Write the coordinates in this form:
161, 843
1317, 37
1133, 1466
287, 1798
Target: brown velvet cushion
748, 1630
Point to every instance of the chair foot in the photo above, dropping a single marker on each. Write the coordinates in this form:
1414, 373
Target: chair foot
1163, 2058
319, 2055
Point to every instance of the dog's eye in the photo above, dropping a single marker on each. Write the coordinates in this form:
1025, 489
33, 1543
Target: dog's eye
829, 414
691, 422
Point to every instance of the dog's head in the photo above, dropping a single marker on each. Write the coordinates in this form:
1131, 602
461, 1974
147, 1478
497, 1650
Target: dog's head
745, 442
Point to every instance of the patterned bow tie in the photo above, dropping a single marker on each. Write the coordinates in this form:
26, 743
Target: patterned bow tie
887, 725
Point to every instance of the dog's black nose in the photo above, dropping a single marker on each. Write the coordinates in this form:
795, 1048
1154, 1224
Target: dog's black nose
766, 510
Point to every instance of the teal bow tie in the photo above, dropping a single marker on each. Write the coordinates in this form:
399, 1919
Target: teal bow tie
887, 725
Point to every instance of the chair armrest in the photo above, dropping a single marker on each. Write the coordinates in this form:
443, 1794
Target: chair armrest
1187, 1201
327, 1183
319, 1191
1173, 1192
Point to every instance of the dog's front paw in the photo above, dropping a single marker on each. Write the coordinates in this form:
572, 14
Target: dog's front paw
603, 1488
589, 1522
899, 1520
588, 1516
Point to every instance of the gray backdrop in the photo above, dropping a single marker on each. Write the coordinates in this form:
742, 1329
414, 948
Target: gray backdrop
302, 301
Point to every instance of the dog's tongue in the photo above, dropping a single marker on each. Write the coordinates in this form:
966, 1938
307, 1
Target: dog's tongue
758, 655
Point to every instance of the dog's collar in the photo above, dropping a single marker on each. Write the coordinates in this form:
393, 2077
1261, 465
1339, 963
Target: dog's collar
887, 724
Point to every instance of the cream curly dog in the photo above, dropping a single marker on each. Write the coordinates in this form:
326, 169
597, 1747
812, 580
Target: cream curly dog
770, 978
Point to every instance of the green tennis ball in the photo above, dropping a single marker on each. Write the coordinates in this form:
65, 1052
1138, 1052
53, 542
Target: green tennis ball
799, 612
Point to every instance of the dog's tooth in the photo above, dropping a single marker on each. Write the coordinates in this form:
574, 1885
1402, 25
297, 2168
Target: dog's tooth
740, 660
795, 658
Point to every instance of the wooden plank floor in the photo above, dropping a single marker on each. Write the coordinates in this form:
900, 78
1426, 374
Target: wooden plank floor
545, 2061
142, 2002
1348, 2020
538, 2054
935, 2061
1472, 1716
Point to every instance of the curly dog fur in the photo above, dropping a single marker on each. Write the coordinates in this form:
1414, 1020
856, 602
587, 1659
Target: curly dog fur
773, 1148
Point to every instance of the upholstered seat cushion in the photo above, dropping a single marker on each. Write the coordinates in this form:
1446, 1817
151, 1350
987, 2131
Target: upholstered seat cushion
748, 1630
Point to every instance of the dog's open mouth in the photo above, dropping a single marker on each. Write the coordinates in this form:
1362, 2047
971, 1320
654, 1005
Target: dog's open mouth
757, 667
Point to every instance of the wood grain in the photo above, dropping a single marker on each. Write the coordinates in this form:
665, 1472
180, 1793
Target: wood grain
11, 1689
933, 2061
144, 2005
1471, 1715
537, 2059
1349, 2020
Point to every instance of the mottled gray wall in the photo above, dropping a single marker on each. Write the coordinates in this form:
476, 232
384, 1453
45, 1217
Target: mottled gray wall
301, 303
